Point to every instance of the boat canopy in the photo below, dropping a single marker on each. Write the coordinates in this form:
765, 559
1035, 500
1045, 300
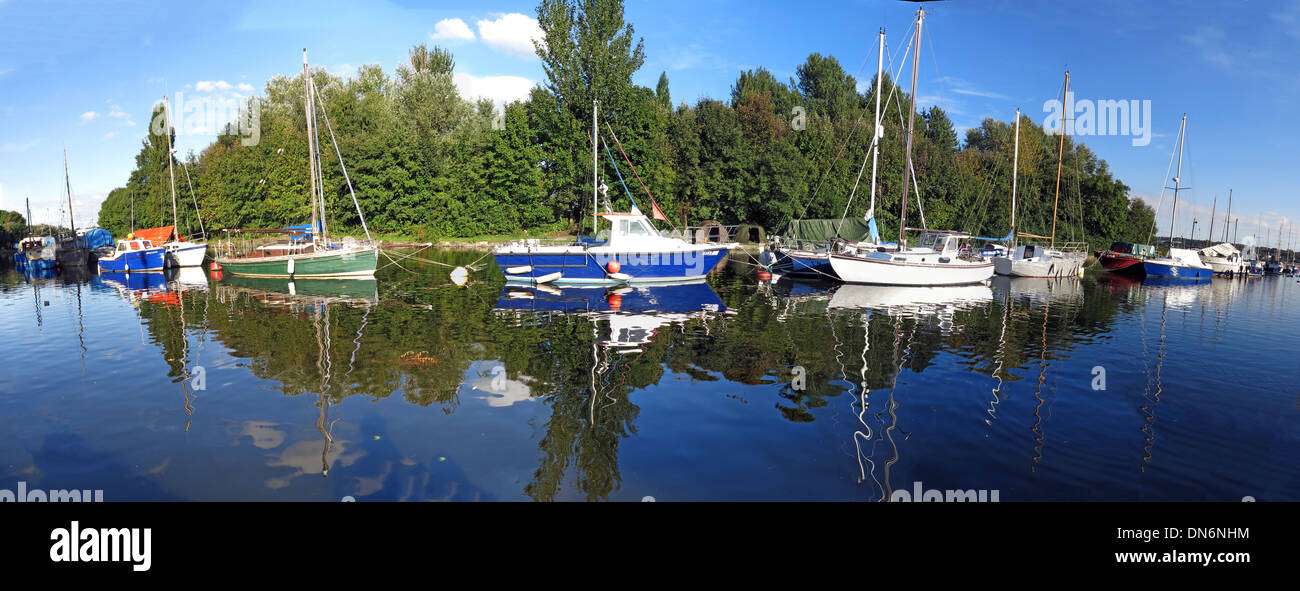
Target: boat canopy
159, 235
98, 237
1224, 249
821, 231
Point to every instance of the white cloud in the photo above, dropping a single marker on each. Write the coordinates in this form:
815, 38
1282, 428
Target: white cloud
110, 135
1209, 40
209, 85
89, 116
452, 29
511, 33
244, 87
498, 89
12, 147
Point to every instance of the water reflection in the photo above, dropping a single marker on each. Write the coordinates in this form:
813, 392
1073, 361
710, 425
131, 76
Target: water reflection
725, 389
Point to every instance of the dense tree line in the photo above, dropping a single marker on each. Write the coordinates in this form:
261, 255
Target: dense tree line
427, 162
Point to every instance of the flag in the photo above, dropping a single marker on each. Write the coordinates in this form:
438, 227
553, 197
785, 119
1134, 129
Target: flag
656, 212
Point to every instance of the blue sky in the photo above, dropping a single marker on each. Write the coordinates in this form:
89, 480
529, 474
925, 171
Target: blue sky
83, 75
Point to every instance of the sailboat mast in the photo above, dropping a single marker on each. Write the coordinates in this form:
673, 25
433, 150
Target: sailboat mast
1015, 170
595, 176
1210, 235
911, 116
1060, 155
68, 182
1227, 221
311, 146
1178, 175
879, 131
167, 114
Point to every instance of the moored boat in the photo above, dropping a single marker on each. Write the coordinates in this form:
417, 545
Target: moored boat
1224, 259
943, 257
633, 253
302, 253
133, 255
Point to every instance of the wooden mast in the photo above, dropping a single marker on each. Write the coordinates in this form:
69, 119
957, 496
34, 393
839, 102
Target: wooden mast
1060, 155
1228, 220
911, 115
1210, 236
311, 146
68, 182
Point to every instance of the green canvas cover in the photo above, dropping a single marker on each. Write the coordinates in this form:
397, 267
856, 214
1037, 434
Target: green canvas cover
820, 231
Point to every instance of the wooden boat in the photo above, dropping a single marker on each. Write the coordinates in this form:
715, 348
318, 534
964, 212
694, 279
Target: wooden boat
70, 249
295, 252
1126, 258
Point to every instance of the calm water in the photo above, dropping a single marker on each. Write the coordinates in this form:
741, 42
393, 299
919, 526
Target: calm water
408, 388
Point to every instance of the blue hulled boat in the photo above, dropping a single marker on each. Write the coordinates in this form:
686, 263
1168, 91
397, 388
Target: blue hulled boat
133, 256
1181, 263
634, 253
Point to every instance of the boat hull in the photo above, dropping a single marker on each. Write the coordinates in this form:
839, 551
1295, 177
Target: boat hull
869, 271
1121, 263
803, 263
72, 256
1046, 267
152, 259
1175, 271
578, 266
352, 263
185, 254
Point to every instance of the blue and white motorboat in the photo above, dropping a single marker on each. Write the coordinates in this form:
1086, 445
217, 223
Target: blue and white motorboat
634, 252
133, 256
1181, 263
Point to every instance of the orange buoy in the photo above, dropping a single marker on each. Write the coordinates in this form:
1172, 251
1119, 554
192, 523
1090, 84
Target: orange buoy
215, 266
615, 301
763, 275
217, 275
613, 266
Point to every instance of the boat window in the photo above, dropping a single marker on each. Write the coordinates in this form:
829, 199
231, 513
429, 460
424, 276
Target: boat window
637, 228
622, 227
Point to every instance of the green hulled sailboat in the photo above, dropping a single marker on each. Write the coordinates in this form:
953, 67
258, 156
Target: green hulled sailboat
307, 251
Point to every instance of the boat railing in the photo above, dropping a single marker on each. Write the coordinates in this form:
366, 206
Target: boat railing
1073, 247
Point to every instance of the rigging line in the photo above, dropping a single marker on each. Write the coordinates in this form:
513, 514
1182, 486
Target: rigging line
803, 210
898, 101
634, 172
617, 172
195, 199
1163, 182
346, 178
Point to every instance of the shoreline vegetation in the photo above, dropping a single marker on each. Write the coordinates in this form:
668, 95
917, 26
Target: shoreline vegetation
429, 165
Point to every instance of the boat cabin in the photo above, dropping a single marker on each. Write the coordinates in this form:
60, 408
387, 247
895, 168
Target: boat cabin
133, 245
633, 230
948, 244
